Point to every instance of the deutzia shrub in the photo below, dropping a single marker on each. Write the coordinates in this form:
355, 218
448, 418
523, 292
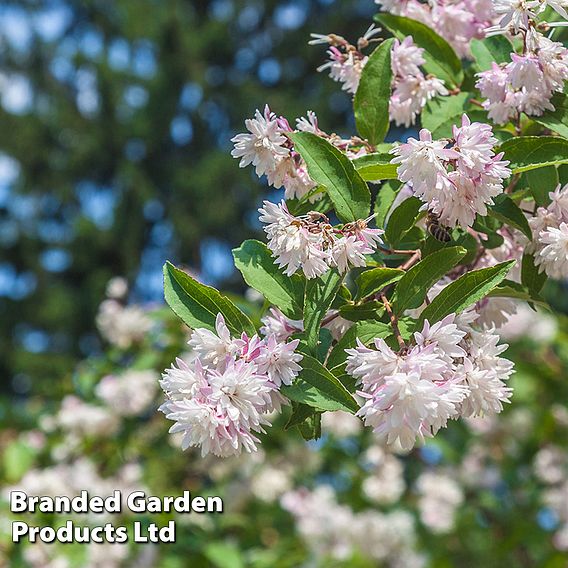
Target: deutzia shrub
388, 268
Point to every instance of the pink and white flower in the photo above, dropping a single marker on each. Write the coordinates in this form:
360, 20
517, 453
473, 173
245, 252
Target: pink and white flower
453, 370
455, 179
550, 230
220, 399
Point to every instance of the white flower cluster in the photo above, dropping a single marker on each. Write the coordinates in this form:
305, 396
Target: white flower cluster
550, 233
456, 179
551, 467
130, 393
220, 399
411, 89
79, 419
457, 21
517, 16
346, 61
69, 479
96, 555
269, 483
122, 325
335, 532
340, 424
385, 485
312, 244
271, 152
453, 370
527, 83
440, 496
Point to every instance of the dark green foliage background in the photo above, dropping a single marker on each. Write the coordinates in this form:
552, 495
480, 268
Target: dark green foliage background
190, 189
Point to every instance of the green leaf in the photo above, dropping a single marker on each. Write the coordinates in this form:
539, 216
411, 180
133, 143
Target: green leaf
367, 311
506, 210
532, 152
329, 167
197, 305
375, 167
302, 206
465, 291
300, 412
541, 182
402, 219
372, 99
556, 120
530, 276
256, 264
224, 555
471, 244
365, 331
320, 293
496, 49
441, 59
510, 289
441, 113
414, 285
371, 281
489, 227
385, 198
17, 458
324, 343
319, 388
310, 428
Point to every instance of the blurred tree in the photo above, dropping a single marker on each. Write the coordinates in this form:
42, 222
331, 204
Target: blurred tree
117, 118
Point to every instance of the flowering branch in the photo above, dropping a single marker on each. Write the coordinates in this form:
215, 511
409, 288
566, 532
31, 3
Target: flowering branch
464, 226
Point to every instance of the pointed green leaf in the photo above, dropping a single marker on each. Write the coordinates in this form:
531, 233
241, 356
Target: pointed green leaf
310, 428
300, 412
496, 49
532, 152
441, 113
530, 275
506, 210
402, 219
541, 182
319, 388
441, 59
357, 312
557, 119
320, 293
375, 167
511, 289
332, 169
385, 198
365, 331
256, 264
414, 285
197, 305
371, 281
302, 206
465, 291
372, 99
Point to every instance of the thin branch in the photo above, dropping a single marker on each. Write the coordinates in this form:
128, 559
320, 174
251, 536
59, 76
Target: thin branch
393, 321
398, 251
329, 318
412, 260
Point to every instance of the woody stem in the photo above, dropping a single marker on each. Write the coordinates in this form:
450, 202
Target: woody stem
393, 321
